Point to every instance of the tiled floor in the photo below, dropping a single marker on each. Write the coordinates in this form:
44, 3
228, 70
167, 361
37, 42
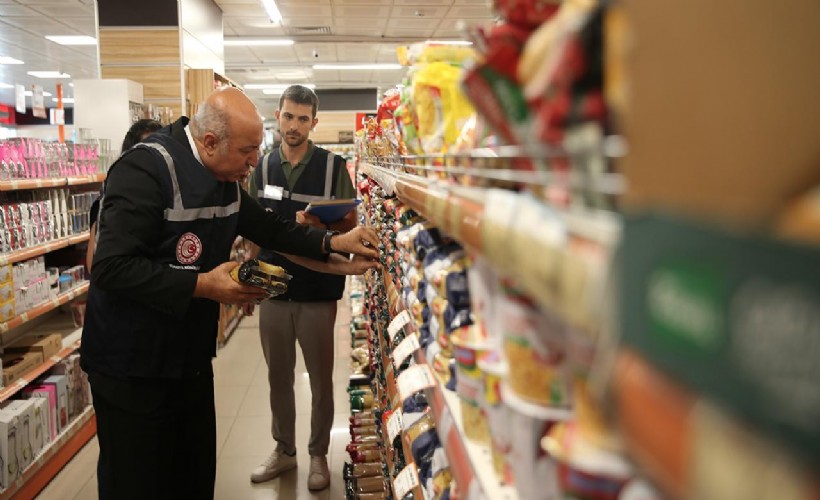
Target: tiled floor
243, 426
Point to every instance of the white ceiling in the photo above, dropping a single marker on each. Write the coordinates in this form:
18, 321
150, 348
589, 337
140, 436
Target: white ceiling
345, 31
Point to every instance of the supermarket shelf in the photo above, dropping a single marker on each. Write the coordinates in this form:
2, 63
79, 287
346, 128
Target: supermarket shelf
54, 457
48, 182
563, 280
22, 382
43, 308
470, 463
38, 250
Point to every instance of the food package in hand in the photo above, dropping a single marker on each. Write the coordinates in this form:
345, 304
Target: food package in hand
273, 279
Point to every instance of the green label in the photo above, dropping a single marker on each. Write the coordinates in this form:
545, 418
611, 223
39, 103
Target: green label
684, 301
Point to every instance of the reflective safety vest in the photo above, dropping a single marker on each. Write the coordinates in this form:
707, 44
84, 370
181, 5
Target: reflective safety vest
124, 338
317, 182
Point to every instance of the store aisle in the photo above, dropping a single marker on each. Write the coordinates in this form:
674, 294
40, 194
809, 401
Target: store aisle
243, 425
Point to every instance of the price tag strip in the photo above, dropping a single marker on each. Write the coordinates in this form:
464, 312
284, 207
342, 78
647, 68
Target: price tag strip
406, 481
394, 425
415, 379
407, 347
397, 324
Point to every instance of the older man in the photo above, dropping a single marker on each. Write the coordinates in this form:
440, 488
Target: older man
172, 207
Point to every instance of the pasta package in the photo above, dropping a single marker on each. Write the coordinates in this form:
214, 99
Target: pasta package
440, 106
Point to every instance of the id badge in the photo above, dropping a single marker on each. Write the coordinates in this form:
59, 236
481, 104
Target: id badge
273, 192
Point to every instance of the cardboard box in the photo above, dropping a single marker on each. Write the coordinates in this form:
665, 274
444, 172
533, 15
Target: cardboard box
40, 424
23, 410
15, 365
6, 274
47, 345
70, 368
8, 310
721, 120
10, 469
60, 384
49, 393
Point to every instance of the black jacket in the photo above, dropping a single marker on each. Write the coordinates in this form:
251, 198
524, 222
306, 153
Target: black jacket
141, 319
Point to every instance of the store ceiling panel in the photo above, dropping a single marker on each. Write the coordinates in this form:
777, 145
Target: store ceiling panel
344, 31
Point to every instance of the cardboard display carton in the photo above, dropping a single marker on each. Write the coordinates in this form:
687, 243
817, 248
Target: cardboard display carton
15, 365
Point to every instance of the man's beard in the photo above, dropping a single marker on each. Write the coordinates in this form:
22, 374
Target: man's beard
295, 140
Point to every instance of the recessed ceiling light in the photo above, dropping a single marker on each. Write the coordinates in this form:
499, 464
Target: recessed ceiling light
6, 86
376, 66
73, 40
49, 74
258, 42
66, 100
272, 10
45, 94
10, 60
275, 86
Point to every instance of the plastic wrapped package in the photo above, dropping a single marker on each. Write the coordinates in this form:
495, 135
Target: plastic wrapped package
535, 348
467, 349
440, 106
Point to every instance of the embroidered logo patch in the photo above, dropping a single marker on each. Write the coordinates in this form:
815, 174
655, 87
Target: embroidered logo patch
189, 248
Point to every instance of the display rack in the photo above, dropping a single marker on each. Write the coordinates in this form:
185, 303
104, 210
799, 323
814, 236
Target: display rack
54, 457
460, 212
470, 463
48, 182
10, 390
42, 309
38, 250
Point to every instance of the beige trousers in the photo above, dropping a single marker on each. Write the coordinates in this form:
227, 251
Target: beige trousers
281, 325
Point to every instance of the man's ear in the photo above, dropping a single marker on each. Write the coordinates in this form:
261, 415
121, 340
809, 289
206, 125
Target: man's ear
315, 121
276, 114
210, 142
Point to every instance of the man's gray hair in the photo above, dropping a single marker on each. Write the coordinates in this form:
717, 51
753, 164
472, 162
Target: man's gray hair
210, 119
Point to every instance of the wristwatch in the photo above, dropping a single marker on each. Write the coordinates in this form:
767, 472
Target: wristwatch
326, 241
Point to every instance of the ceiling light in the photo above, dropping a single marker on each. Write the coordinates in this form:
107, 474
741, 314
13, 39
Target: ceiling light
6, 86
49, 74
272, 10
73, 40
256, 42
10, 60
45, 94
448, 42
358, 66
66, 100
275, 86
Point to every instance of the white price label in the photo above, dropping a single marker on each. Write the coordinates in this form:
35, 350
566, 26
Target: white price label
397, 324
415, 379
406, 481
394, 425
407, 347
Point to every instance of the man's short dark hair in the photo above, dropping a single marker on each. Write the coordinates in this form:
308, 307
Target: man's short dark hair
300, 95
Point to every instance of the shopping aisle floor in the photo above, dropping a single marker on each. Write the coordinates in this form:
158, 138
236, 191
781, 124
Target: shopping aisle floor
243, 425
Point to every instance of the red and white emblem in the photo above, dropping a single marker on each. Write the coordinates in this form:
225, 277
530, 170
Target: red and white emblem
189, 248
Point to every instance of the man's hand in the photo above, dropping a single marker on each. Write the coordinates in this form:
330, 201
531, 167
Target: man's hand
358, 265
360, 241
307, 219
218, 286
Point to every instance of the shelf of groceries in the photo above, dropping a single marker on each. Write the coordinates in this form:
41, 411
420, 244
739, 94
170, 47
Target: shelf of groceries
44, 307
45, 409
